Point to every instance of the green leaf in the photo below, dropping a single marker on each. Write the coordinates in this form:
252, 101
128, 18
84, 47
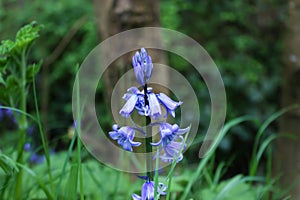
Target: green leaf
8, 165
27, 34
5, 48
32, 70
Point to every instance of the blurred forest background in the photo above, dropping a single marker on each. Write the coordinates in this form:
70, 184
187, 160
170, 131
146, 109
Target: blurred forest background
244, 38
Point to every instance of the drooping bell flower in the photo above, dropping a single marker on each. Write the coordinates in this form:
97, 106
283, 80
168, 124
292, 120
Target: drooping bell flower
124, 137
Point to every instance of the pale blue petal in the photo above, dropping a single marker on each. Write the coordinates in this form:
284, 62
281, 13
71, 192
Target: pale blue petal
114, 135
168, 103
129, 106
183, 131
127, 146
139, 74
154, 106
136, 197
157, 143
135, 144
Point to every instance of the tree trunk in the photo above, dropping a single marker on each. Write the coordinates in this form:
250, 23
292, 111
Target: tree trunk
287, 151
114, 16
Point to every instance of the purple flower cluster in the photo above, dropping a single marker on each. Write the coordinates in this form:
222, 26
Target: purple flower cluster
149, 104
135, 99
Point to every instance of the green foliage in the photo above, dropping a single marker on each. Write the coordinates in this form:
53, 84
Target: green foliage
232, 189
69, 35
11, 63
244, 38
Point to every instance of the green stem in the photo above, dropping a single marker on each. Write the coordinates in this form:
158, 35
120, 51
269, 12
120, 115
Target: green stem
149, 149
45, 145
148, 139
22, 126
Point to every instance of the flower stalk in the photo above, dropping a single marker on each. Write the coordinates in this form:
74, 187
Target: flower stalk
150, 105
148, 139
22, 126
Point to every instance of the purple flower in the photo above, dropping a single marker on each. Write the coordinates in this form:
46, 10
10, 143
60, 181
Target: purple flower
169, 133
37, 159
9, 112
124, 137
27, 146
172, 151
142, 65
136, 100
74, 125
133, 98
148, 191
168, 103
155, 110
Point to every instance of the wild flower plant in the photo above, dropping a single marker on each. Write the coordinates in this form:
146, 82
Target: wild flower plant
150, 105
15, 76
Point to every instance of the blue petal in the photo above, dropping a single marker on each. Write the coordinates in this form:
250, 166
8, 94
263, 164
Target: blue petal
148, 190
136, 59
183, 131
114, 135
135, 144
115, 127
135, 197
154, 106
139, 74
143, 54
129, 106
168, 103
127, 146
157, 143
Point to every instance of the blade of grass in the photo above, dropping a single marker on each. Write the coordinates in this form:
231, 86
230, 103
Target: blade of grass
71, 187
19, 111
42, 135
174, 163
214, 146
217, 175
63, 171
263, 127
38, 180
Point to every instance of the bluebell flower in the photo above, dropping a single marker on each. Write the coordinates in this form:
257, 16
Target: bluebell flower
172, 151
169, 133
142, 65
168, 103
124, 137
36, 158
155, 110
148, 191
27, 146
136, 100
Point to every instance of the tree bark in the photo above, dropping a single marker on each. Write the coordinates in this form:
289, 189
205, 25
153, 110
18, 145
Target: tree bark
287, 150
